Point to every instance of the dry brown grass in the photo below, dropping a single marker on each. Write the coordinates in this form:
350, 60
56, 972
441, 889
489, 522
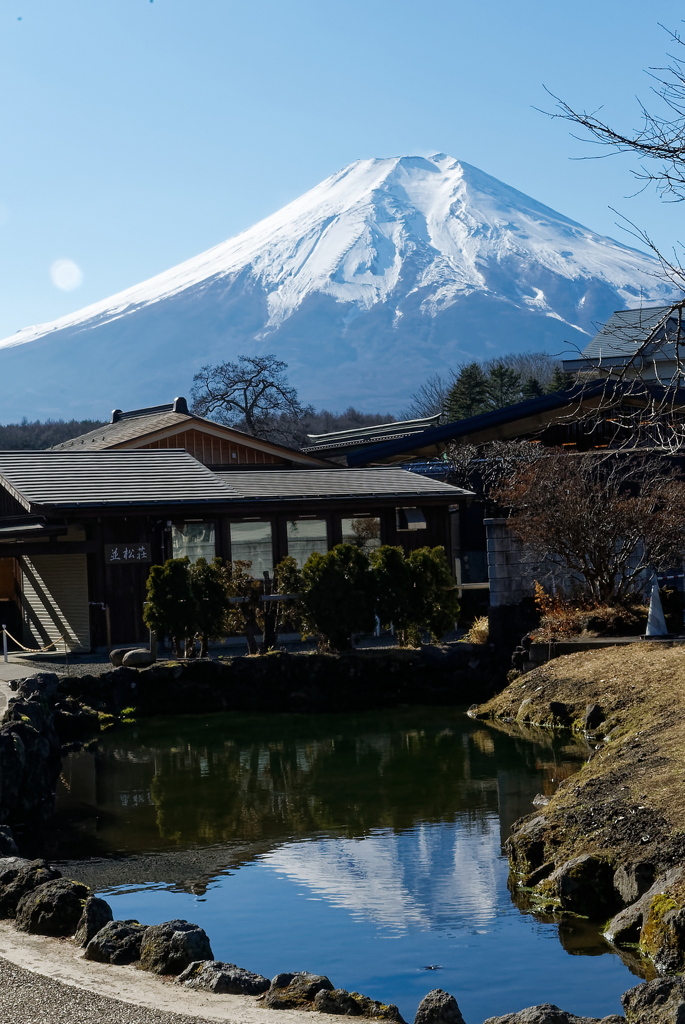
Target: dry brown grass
641, 689
479, 631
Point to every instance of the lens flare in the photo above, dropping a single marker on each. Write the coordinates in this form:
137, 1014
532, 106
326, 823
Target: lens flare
66, 275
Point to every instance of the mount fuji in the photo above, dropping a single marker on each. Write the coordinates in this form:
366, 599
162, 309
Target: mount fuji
383, 274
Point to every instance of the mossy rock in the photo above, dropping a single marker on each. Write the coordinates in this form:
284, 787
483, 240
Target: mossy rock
662, 937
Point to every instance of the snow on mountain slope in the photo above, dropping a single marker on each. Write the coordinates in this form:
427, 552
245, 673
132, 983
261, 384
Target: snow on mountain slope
384, 273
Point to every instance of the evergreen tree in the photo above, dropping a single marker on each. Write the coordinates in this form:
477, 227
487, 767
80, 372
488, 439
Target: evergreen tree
532, 388
338, 594
395, 593
208, 586
437, 605
469, 395
170, 608
504, 386
560, 381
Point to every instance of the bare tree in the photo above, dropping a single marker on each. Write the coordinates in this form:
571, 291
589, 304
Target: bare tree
248, 392
608, 523
661, 136
483, 468
430, 398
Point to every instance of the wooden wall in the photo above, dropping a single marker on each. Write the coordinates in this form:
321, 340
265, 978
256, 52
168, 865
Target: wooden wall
217, 451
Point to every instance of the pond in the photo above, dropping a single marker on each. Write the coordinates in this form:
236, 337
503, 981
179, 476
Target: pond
366, 848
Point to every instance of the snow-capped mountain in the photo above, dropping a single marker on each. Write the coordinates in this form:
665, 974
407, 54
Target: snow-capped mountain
383, 274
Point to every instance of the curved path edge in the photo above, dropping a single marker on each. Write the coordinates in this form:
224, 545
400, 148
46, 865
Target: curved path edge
61, 960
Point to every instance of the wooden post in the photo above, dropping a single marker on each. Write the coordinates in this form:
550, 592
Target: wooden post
269, 614
4, 643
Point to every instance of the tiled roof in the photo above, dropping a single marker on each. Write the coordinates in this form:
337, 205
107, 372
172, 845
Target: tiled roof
126, 429
337, 483
625, 331
145, 423
104, 478
343, 440
568, 405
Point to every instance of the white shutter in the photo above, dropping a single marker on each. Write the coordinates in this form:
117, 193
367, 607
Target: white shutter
55, 601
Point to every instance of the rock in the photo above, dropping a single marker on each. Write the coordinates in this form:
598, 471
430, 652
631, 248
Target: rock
116, 656
45, 683
117, 943
593, 717
24, 880
8, 847
585, 885
354, 1004
170, 947
627, 924
289, 991
663, 934
96, 914
74, 720
438, 1007
632, 881
139, 658
10, 868
221, 978
339, 1001
656, 1002
547, 1013
54, 908
525, 847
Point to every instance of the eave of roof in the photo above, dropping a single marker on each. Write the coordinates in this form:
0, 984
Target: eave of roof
157, 425
434, 441
314, 485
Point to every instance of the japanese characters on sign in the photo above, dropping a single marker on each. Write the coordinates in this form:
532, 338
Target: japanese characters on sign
131, 551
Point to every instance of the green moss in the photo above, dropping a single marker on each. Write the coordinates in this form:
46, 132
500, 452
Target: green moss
657, 932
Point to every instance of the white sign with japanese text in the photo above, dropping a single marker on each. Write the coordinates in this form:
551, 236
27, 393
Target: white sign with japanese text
119, 554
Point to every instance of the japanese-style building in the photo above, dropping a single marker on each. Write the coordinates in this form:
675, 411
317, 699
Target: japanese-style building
81, 524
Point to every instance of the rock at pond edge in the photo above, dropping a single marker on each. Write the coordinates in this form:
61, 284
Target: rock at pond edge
170, 947
438, 1007
96, 914
222, 978
117, 943
54, 908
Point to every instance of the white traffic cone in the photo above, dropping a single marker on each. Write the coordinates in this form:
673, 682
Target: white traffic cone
656, 623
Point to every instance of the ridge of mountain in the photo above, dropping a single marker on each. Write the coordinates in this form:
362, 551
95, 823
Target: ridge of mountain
384, 273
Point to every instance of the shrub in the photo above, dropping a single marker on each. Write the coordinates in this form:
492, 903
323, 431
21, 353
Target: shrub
564, 618
170, 609
210, 601
338, 592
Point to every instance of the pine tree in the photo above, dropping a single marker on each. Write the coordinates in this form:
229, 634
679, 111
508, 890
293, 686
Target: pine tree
560, 381
532, 388
208, 586
504, 386
468, 396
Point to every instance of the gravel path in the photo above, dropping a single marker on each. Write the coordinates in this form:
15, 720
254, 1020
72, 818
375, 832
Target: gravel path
28, 998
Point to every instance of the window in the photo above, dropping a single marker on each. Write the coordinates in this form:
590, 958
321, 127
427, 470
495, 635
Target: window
364, 532
251, 542
194, 540
305, 536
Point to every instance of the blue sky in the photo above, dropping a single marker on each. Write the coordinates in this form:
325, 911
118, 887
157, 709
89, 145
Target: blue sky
135, 134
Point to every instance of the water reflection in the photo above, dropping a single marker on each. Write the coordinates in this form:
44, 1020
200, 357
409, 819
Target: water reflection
193, 782
305, 842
